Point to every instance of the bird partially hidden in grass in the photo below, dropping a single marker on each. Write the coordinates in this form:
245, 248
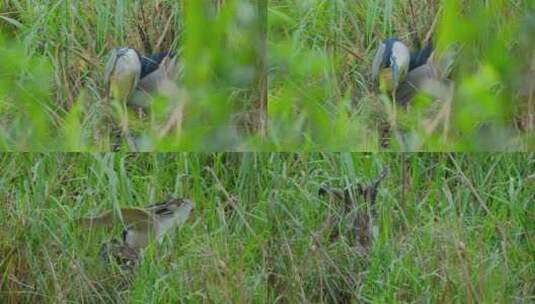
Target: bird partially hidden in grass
391, 64
141, 226
403, 74
132, 78
132, 81
354, 221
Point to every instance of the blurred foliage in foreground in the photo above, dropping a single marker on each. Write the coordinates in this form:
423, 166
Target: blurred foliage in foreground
52, 59
321, 95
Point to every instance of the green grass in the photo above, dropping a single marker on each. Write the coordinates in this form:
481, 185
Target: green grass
310, 58
322, 97
449, 228
53, 57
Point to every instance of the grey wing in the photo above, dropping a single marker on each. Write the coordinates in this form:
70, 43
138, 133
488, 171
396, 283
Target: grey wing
414, 82
425, 79
151, 82
171, 66
378, 60
421, 74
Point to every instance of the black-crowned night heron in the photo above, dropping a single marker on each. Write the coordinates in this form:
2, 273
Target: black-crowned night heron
429, 77
391, 64
132, 78
403, 74
122, 73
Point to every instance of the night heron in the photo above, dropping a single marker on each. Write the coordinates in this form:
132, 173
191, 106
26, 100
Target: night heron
429, 76
133, 78
403, 74
122, 73
391, 64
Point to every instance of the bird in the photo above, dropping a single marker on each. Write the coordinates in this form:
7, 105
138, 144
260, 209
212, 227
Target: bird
157, 77
429, 75
391, 64
133, 78
354, 221
122, 73
404, 74
142, 225
118, 252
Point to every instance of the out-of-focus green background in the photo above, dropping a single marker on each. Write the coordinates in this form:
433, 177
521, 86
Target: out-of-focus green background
321, 95
52, 57
310, 58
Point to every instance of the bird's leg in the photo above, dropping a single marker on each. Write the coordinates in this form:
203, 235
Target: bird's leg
395, 79
125, 128
132, 146
394, 102
140, 113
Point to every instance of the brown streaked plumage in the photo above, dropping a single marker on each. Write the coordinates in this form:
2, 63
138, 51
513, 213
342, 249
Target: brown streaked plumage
355, 221
143, 224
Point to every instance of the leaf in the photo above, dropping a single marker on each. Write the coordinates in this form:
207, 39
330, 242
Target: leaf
12, 21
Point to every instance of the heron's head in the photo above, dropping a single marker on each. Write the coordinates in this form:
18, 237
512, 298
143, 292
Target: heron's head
391, 64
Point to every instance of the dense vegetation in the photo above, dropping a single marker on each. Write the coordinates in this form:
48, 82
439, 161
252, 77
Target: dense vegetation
52, 91
311, 59
322, 96
446, 227
271, 75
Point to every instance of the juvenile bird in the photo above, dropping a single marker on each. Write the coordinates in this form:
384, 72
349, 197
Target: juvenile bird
144, 224
355, 220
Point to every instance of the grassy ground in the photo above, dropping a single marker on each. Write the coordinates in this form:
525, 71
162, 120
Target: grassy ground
321, 95
448, 228
53, 56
